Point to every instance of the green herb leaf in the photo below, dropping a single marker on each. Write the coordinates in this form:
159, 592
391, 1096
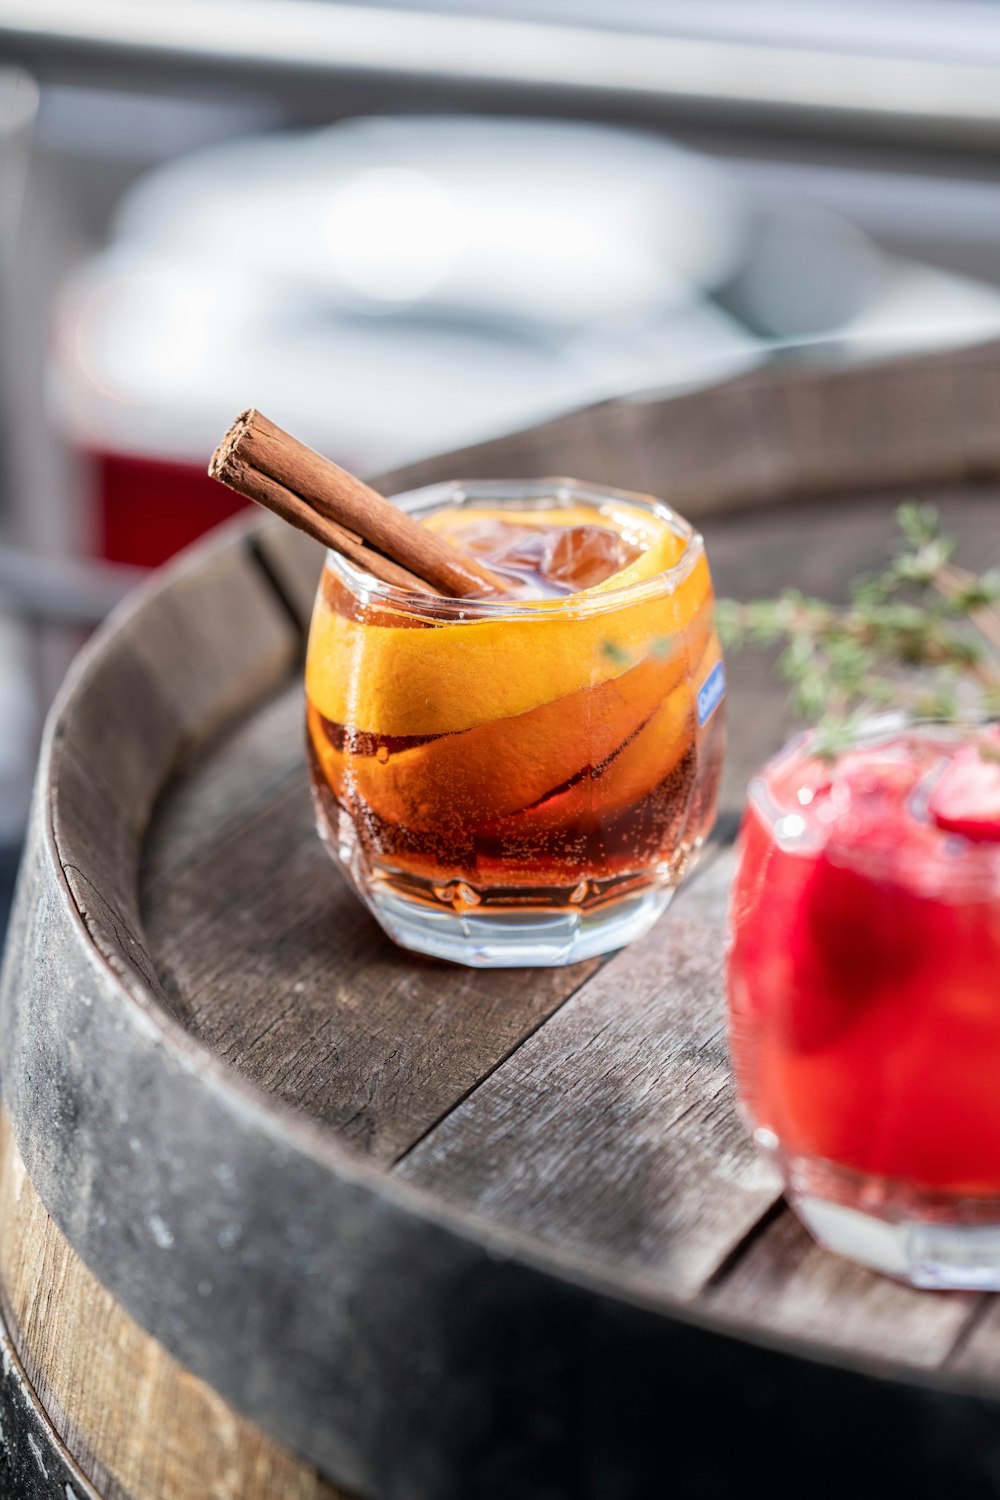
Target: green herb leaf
922, 634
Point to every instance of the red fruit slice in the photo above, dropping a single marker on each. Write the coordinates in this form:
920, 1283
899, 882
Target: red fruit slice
966, 800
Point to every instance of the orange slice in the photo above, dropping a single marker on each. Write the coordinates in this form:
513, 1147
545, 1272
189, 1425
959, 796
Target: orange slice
643, 762
448, 677
462, 780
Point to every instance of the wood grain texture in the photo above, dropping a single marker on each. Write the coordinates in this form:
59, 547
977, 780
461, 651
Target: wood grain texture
290, 980
307, 998
207, 642
34, 1462
292, 562
785, 432
786, 1284
139, 1425
612, 1132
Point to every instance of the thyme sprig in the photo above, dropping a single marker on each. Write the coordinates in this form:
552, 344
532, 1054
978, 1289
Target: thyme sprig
922, 635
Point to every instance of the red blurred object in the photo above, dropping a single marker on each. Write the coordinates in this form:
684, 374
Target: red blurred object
149, 508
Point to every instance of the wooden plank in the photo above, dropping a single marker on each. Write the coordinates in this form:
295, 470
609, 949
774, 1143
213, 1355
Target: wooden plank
140, 1426
270, 959
611, 1132
594, 444
786, 1284
782, 432
199, 648
706, 451
293, 562
293, 984
122, 727
99, 852
919, 421
232, 782
215, 638
36, 1465
976, 1355
196, 650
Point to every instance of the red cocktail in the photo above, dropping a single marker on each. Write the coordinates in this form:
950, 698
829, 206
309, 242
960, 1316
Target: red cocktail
864, 984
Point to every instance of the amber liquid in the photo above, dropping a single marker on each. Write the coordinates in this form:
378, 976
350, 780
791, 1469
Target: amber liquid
571, 801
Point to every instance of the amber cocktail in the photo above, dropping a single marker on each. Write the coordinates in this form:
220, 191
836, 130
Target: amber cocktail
521, 780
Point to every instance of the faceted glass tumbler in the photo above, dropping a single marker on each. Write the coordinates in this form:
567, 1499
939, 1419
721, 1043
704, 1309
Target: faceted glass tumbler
518, 783
864, 980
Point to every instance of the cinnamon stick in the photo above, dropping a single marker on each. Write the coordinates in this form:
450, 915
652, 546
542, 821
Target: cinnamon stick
293, 509
266, 464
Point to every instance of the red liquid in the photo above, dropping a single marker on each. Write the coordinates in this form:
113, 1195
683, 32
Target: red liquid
864, 975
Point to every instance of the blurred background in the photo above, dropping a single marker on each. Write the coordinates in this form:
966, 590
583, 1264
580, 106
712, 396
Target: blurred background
400, 227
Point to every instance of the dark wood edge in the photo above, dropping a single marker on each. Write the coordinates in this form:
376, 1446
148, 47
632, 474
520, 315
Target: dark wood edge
138, 1425
932, 418
34, 1465
325, 1215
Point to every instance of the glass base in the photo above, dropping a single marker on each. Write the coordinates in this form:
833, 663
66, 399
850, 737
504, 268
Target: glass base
504, 938
928, 1239
943, 1257
503, 927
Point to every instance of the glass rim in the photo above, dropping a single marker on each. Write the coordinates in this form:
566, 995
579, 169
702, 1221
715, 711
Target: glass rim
883, 724
979, 857
562, 491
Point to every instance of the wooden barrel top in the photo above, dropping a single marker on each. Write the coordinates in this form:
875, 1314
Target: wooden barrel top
448, 1232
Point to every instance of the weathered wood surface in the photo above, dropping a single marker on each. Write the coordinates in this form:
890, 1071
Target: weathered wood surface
139, 1423
34, 1464
611, 1131
290, 980
435, 1203
783, 1283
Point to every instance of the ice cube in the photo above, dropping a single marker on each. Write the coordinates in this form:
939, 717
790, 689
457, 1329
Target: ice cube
548, 559
503, 545
580, 557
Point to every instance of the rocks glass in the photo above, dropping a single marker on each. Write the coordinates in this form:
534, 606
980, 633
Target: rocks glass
520, 781
864, 985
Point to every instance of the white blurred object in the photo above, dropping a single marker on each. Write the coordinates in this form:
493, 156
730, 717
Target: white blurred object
526, 219
391, 288
924, 308
396, 287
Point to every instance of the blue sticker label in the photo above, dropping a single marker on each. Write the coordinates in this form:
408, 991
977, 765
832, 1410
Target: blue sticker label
711, 693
